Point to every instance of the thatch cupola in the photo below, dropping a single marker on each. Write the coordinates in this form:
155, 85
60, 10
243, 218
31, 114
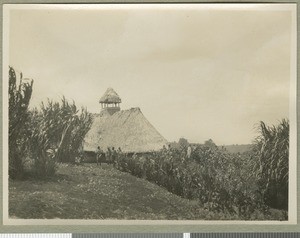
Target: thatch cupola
110, 101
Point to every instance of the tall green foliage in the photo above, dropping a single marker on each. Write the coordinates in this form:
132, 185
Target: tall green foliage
243, 184
19, 94
218, 180
272, 150
58, 130
54, 133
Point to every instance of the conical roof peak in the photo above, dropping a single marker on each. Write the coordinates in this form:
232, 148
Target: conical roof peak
110, 96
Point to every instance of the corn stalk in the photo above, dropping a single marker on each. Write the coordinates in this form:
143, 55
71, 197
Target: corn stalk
272, 149
19, 97
59, 127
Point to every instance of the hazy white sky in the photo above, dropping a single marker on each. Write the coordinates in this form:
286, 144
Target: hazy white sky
194, 73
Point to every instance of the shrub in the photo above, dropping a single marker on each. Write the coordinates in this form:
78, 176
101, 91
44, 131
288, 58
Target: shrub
217, 179
243, 184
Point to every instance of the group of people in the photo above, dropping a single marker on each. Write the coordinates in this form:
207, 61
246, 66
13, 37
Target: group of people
109, 156
185, 153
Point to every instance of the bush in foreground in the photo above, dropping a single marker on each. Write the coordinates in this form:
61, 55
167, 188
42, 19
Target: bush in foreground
272, 168
243, 184
40, 138
58, 130
219, 184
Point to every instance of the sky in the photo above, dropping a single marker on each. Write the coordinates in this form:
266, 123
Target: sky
196, 73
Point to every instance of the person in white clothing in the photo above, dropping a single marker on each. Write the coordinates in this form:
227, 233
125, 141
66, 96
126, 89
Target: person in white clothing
189, 152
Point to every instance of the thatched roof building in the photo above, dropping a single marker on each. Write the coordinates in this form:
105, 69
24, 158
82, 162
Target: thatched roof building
127, 129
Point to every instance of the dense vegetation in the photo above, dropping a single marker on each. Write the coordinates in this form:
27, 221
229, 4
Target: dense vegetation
39, 138
271, 153
245, 184
57, 132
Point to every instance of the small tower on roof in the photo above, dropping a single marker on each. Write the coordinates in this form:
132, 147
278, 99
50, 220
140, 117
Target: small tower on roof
110, 101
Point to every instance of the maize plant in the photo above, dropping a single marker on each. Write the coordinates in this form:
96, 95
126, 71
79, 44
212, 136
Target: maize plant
19, 94
217, 179
272, 150
58, 131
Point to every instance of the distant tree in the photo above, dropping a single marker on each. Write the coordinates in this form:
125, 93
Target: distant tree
19, 94
183, 143
210, 143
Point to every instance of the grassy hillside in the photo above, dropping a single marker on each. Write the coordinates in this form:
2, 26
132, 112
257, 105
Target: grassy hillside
91, 192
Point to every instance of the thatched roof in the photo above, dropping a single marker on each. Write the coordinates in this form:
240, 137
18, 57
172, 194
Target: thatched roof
110, 96
127, 129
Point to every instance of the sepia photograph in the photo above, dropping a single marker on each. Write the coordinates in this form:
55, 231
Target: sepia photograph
149, 113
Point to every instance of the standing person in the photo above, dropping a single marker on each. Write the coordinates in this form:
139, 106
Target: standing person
119, 157
169, 150
189, 152
113, 156
108, 155
98, 155
164, 150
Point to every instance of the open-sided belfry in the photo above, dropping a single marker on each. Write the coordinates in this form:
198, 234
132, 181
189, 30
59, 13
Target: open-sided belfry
125, 129
110, 101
